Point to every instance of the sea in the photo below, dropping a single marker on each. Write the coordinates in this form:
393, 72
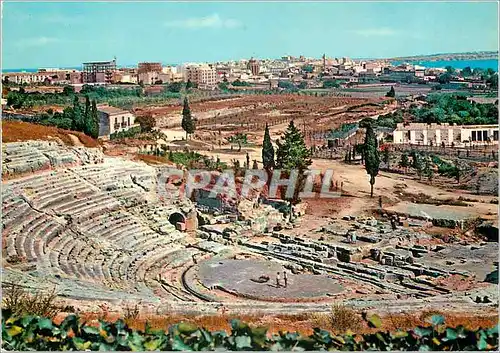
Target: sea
457, 64
68, 68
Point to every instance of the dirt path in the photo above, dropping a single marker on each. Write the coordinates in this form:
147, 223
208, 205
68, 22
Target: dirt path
356, 182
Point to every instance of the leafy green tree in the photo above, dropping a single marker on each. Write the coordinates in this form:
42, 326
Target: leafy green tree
94, 132
68, 90
302, 85
466, 71
189, 84
387, 157
308, 68
175, 87
293, 154
187, 123
147, 122
493, 81
450, 69
223, 86
371, 155
78, 115
330, 84
490, 71
267, 150
429, 171
404, 162
444, 78
418, 165
285, 84
391, 93
87, 117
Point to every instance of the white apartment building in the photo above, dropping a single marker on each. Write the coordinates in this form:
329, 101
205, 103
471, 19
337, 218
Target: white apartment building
435, 134
203, 75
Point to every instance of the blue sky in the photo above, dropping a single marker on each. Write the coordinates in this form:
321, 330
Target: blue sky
67, 34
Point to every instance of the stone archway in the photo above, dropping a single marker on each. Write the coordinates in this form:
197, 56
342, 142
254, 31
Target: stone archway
178, 220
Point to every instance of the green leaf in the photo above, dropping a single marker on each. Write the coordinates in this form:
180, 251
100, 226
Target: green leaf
259, 331
399, 334
135, 341
380, 337
26, 320
437, 320
482, 344
422, 331
186, 328
237, 325
451, 334
152, 345
179, 345
14, 330
424, 347
45, 324
375, 321
243, 342
206, 335
493, 330
90, 330
80, 344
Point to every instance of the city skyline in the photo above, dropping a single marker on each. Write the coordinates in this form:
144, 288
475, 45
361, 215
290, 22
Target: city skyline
67, 34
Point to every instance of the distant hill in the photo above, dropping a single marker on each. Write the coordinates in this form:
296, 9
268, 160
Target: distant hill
478, 55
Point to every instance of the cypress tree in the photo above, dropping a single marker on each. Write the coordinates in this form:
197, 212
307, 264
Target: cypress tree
267, 150
387, 158
78, 118
94, 118
371, 156
404, 161
87, 118
391, 93
187, 120
418, 165
293, 154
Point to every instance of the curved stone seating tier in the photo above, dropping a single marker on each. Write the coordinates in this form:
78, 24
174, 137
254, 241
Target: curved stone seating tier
20, 157
15, 216
65, 183
109, 176
146, 261
69, 225
25, 237
130, 197
93, 204
171, 261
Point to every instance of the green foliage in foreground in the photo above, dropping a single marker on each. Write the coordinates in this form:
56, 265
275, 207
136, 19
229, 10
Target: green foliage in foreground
130, 133
37, 333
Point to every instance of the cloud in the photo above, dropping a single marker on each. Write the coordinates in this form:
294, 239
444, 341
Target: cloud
376, 32
212, 21
36, 42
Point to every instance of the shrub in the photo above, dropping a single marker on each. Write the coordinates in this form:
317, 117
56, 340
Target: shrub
39, 333
19, 302
132, 132
340, 319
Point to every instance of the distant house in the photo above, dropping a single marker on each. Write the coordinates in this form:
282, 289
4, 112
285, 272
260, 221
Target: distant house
112, 120
436, 134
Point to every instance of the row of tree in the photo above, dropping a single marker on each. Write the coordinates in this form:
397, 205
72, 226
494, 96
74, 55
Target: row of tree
455, 108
